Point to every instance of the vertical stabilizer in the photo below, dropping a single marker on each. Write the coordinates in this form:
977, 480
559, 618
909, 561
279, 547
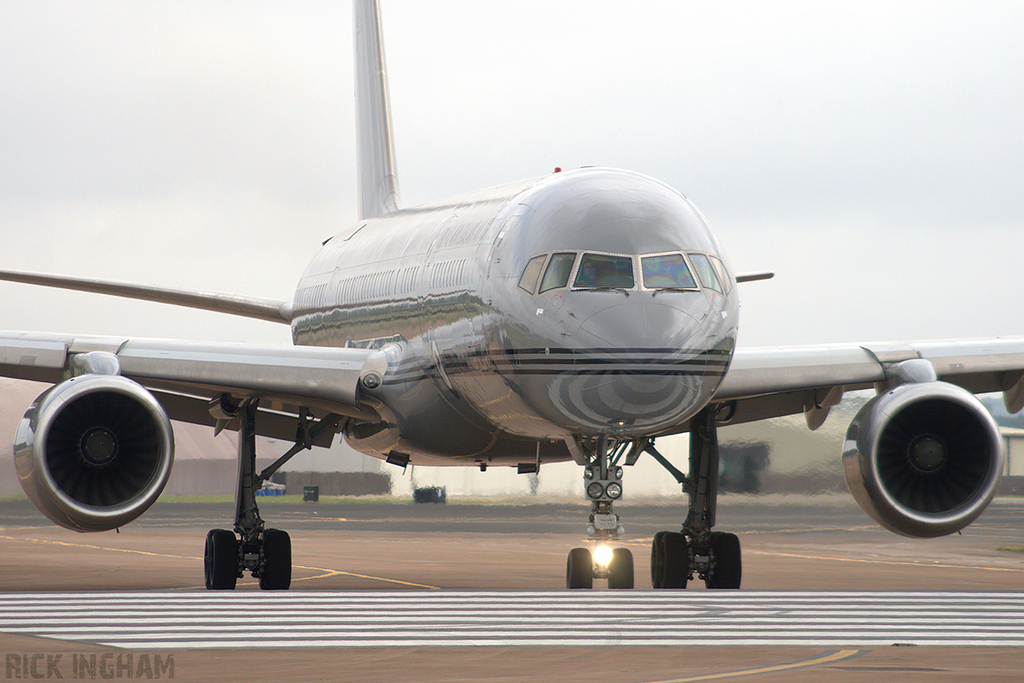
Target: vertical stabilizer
378, 177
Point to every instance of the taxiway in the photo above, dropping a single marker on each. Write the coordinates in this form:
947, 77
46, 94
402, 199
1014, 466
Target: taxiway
482, 562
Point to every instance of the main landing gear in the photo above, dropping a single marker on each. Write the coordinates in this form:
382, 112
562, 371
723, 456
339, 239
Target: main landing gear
602, 480
710, 555
265, 553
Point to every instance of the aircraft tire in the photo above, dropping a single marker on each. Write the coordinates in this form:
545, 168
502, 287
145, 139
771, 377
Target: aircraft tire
220, 561
579, 569
728, 567
676, 558
620, 569
658, 560
277, 567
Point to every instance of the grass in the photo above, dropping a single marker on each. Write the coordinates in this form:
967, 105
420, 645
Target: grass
353, 500
1012, 548
188, 498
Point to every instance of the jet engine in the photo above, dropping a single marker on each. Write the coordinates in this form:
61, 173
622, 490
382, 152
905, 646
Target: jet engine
923, 459
94, 452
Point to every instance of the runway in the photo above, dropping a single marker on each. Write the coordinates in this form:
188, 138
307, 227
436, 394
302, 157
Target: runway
190, 621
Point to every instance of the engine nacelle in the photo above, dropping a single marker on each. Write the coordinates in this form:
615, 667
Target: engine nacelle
923, 459
94, 452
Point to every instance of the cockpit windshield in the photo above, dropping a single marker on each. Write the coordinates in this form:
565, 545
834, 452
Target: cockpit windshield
603, 270
667, 271
706, 272
558, 272
676, 270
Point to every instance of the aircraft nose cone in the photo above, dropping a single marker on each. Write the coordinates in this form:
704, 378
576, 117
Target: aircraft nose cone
638, 366
652, 325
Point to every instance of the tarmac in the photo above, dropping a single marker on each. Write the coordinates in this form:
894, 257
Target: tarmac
807, 543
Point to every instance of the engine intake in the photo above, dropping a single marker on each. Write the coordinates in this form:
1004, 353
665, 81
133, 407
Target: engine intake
94, 452
923, 460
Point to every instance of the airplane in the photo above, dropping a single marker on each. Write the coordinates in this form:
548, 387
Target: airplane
578, 316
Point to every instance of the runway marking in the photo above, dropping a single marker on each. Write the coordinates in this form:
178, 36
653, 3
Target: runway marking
803, 663
326, 572
867, 560
222, 619
337, 572
46, 541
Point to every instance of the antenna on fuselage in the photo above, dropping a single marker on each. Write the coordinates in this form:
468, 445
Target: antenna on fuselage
378, 175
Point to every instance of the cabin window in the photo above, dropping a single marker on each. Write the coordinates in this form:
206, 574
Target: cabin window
705, 271
667, 271
604, 270
557, 274
532, 273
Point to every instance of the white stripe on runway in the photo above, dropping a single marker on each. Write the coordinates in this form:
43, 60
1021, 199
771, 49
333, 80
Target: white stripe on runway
156, 621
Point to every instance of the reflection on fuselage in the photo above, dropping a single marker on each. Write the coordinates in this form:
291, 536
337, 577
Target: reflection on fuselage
593, 302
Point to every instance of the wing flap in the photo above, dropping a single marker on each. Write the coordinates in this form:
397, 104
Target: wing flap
271, 423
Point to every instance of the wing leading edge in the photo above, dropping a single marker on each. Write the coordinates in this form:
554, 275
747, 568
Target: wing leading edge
190, 374
271, 310
771, 382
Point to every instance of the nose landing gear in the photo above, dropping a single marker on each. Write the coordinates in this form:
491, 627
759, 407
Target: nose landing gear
613, 564
602, 482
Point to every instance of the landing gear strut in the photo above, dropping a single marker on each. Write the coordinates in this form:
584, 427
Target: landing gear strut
602, 482
712, 555
265, 553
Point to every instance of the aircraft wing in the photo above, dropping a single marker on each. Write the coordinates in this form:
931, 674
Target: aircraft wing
248, 307
185, 376
771, 382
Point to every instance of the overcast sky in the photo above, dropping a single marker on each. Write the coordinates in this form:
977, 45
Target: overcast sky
872, 154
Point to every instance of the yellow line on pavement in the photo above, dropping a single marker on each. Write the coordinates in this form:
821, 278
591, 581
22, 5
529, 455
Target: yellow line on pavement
326, 572
879, 561
97, 547
824, 659
338, 572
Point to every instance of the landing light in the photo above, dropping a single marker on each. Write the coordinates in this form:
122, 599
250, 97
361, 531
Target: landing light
602, 555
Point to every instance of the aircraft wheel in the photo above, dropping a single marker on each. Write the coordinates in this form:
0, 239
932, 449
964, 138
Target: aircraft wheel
620, 569
579, 569
277, 565
220, 561
658, 560
675, 552
727, 567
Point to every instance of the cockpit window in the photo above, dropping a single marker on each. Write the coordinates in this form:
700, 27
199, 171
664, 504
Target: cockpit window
557, 274
667, 271
705, 272
723, 274
531, 273
602, 270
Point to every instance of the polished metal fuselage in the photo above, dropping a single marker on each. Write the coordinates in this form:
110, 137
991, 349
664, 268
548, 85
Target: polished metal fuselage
480, 368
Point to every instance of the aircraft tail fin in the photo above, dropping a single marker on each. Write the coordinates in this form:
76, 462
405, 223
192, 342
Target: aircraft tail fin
378, 176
